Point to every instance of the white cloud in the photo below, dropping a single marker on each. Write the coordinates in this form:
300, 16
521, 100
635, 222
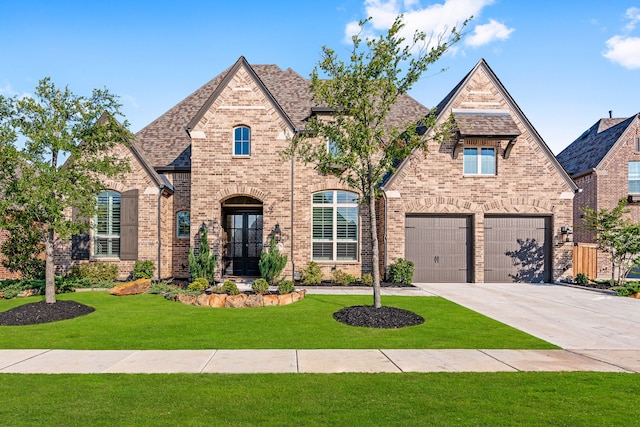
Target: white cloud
633, 14
484, 34
434, 19
624, 51
8, 91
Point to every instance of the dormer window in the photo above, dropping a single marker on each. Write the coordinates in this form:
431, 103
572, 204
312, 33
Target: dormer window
479, 161
242, 141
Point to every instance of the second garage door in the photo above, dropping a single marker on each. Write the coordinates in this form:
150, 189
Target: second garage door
517, 249
439, 247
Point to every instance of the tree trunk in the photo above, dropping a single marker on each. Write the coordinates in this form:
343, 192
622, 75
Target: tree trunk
50, 284
375, 255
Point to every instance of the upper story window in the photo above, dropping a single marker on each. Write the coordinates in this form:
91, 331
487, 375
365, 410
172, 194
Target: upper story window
634, 177
479, 161
335, 226
183, 224
107, 225
241, 141
332, 148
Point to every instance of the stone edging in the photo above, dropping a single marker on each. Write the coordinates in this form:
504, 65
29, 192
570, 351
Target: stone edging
240, 300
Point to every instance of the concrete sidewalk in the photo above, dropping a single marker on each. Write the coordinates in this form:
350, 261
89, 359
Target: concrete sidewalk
312, 361
598, 332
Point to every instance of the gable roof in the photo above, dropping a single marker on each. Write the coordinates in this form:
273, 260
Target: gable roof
444, 108
167, 144
588, 151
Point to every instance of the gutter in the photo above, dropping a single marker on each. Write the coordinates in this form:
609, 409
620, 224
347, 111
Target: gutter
161, 190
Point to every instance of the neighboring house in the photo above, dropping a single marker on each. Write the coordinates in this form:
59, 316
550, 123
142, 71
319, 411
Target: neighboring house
486, 206
605, 164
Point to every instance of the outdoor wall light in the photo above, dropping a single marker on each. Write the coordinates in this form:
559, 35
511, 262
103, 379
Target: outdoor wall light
276, 233
565, 234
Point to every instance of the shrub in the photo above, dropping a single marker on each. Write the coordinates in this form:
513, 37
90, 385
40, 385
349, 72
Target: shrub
286, 287
11, 291
401, 271
143, 270
272, 262
342, 277
312, 275
260, 286
627, 290
198, 285
97, 272
203, 265
230, 287
367, 279
581, 279
161, 287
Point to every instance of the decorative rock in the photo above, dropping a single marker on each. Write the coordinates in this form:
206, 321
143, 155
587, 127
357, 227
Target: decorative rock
186, 299
217, 300
139, 286
236, 300
270, 300
28, 293
297, 296
285, 299
254, 300
202, 300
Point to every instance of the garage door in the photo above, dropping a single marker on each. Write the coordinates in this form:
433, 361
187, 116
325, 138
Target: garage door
517, 249
439, 246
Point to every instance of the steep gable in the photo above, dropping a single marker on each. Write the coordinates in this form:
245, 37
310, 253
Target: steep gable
589, 149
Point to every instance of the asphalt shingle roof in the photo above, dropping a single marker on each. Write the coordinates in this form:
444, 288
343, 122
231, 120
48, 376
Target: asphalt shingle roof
485, 124
586, 152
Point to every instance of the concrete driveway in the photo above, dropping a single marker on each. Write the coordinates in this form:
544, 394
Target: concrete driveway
574, 319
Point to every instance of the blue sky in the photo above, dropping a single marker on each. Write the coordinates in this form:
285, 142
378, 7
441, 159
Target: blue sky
565, 62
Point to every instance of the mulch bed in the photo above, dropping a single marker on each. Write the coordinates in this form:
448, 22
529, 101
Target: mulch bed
356, 285
41, 312
383, 317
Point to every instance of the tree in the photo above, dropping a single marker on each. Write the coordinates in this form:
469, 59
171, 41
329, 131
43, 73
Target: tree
40, 189
203, 266
616, 235
360, 94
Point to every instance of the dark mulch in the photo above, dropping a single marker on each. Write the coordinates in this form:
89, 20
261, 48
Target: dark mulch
383, 317
41, 312
325, 283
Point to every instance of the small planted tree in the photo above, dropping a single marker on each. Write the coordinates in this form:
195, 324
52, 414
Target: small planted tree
616, 235
203, 265
272, 263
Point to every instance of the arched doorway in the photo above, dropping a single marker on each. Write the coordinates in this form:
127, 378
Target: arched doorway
242, 224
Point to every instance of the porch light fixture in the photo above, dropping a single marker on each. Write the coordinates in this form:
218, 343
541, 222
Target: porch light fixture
276, 233
565, 234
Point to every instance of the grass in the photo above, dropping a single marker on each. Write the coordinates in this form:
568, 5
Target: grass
151, 322
438, 399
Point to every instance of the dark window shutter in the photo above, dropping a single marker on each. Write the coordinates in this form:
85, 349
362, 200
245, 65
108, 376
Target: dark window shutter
80, 246
129, 225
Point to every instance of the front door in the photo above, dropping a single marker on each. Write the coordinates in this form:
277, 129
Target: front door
244, 243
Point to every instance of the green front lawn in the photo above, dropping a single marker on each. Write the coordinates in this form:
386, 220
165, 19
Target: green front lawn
151, 322
408, 399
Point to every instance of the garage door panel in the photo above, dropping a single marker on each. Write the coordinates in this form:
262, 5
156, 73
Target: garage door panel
517, 249
438, 247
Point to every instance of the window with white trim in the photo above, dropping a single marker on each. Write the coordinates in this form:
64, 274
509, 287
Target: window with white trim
241, 141
183, 224
479, 161
335, 226
634, 177
107, 225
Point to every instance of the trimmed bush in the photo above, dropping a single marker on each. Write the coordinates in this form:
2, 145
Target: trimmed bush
203, 265
367, 279
198, 285
342, 277
286, 287
230, 287
272, 263
97, 272
260, 286
143, 270
401, 271
312, 275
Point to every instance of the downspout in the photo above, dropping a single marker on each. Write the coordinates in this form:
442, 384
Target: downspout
162, 186
384, 236
293, 264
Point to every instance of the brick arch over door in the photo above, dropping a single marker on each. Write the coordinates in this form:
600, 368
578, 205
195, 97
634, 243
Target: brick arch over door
236, 190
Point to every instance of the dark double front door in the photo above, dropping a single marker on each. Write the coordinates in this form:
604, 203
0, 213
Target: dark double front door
244, 243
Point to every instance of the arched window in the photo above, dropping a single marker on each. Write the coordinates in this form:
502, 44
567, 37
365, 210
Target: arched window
335, 226
242, 141
107, 225
183, 224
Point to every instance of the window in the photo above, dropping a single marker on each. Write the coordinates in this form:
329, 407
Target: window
241, 141
183, 224
335, 226
634, 177
107, 225
479, 161
332, 148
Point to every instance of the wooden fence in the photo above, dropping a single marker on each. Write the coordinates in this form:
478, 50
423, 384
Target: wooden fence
585, 260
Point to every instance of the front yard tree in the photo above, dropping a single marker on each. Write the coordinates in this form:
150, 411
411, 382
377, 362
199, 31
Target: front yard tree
616, 235
360, 94
40, 188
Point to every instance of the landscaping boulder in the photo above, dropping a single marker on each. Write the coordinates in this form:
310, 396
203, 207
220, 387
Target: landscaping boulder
270, 300
139, 286
217, 300
254, 300
236, 300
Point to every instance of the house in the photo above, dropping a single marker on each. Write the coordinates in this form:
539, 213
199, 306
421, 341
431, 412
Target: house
605, 163
486, 206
